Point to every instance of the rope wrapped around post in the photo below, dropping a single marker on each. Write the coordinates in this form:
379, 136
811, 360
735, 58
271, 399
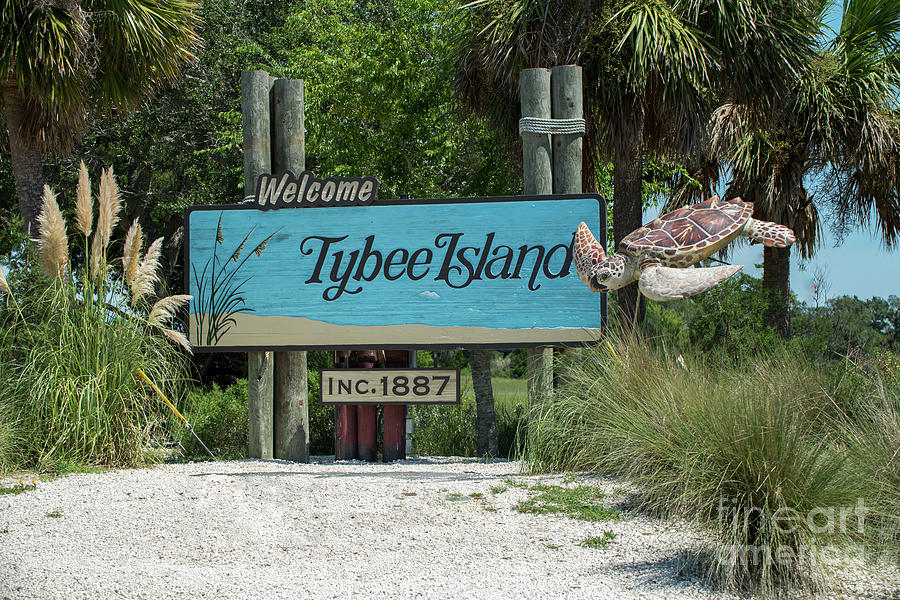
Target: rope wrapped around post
551, 126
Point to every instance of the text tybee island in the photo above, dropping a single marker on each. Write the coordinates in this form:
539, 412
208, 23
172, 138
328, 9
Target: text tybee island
344, 264
422, 272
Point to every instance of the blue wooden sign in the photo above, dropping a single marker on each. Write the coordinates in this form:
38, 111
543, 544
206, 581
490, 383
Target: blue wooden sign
401, 273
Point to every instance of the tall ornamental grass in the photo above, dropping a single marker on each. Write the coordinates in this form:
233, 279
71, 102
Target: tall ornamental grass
873, 441
74, 338
757, 452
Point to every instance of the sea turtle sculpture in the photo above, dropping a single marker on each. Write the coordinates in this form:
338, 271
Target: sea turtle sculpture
677, 239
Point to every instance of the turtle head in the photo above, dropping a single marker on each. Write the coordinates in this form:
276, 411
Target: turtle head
599, 272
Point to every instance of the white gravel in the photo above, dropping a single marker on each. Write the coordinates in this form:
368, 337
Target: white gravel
271, 529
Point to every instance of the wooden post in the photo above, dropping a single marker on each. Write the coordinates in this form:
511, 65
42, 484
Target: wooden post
291, 411
345, 432
567, 94
255, 86
537, 153
394, 432
537, 164
567, 149
367, 432
288, 143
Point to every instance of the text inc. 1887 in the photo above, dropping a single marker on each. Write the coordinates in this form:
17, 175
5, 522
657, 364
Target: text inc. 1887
389, 386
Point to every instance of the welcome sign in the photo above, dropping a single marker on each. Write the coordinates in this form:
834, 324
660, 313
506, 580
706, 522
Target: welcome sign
396, 273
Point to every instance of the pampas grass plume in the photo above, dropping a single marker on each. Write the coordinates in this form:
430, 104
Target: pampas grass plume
146, 274
53, 242
107, 217
163, 311
4, 287
178, 338
131, 253
165, 308
84, 213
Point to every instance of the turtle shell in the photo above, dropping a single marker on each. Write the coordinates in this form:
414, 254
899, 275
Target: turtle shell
691, 233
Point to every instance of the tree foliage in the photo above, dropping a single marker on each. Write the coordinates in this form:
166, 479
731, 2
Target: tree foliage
831, 144
63, 58
378, 99
652, 70
377, 102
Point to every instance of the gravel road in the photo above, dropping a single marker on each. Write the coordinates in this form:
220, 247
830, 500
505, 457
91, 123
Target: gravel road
424, 528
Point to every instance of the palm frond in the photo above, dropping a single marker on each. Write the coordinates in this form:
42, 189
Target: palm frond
657, 40
870, 24
65, 60
141, 43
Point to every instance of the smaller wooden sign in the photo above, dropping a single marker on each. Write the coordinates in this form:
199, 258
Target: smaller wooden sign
389, 386
288, 190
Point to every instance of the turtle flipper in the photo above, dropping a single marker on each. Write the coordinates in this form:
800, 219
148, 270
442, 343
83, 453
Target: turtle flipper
769, 234
587, 254
667, 283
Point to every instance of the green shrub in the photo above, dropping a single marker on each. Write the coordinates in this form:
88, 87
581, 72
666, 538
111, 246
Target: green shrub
444, 430
73, 341
733, 445
321, 416
424, 359
219, 417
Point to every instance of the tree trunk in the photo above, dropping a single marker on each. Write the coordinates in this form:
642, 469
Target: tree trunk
628, 212
480, 361
26, 160
776, 284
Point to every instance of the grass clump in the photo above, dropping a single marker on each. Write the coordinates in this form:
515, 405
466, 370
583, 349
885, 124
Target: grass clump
755, 452
873, 445
10, 437
580, 502
73, 339
19, 488
599, 542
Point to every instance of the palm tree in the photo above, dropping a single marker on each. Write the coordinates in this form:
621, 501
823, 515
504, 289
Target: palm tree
653, 69
834, 143
62, 58
480, 361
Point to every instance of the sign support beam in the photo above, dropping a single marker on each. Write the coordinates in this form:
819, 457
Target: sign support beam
537, 165
551, 165
255, 87
291, 406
